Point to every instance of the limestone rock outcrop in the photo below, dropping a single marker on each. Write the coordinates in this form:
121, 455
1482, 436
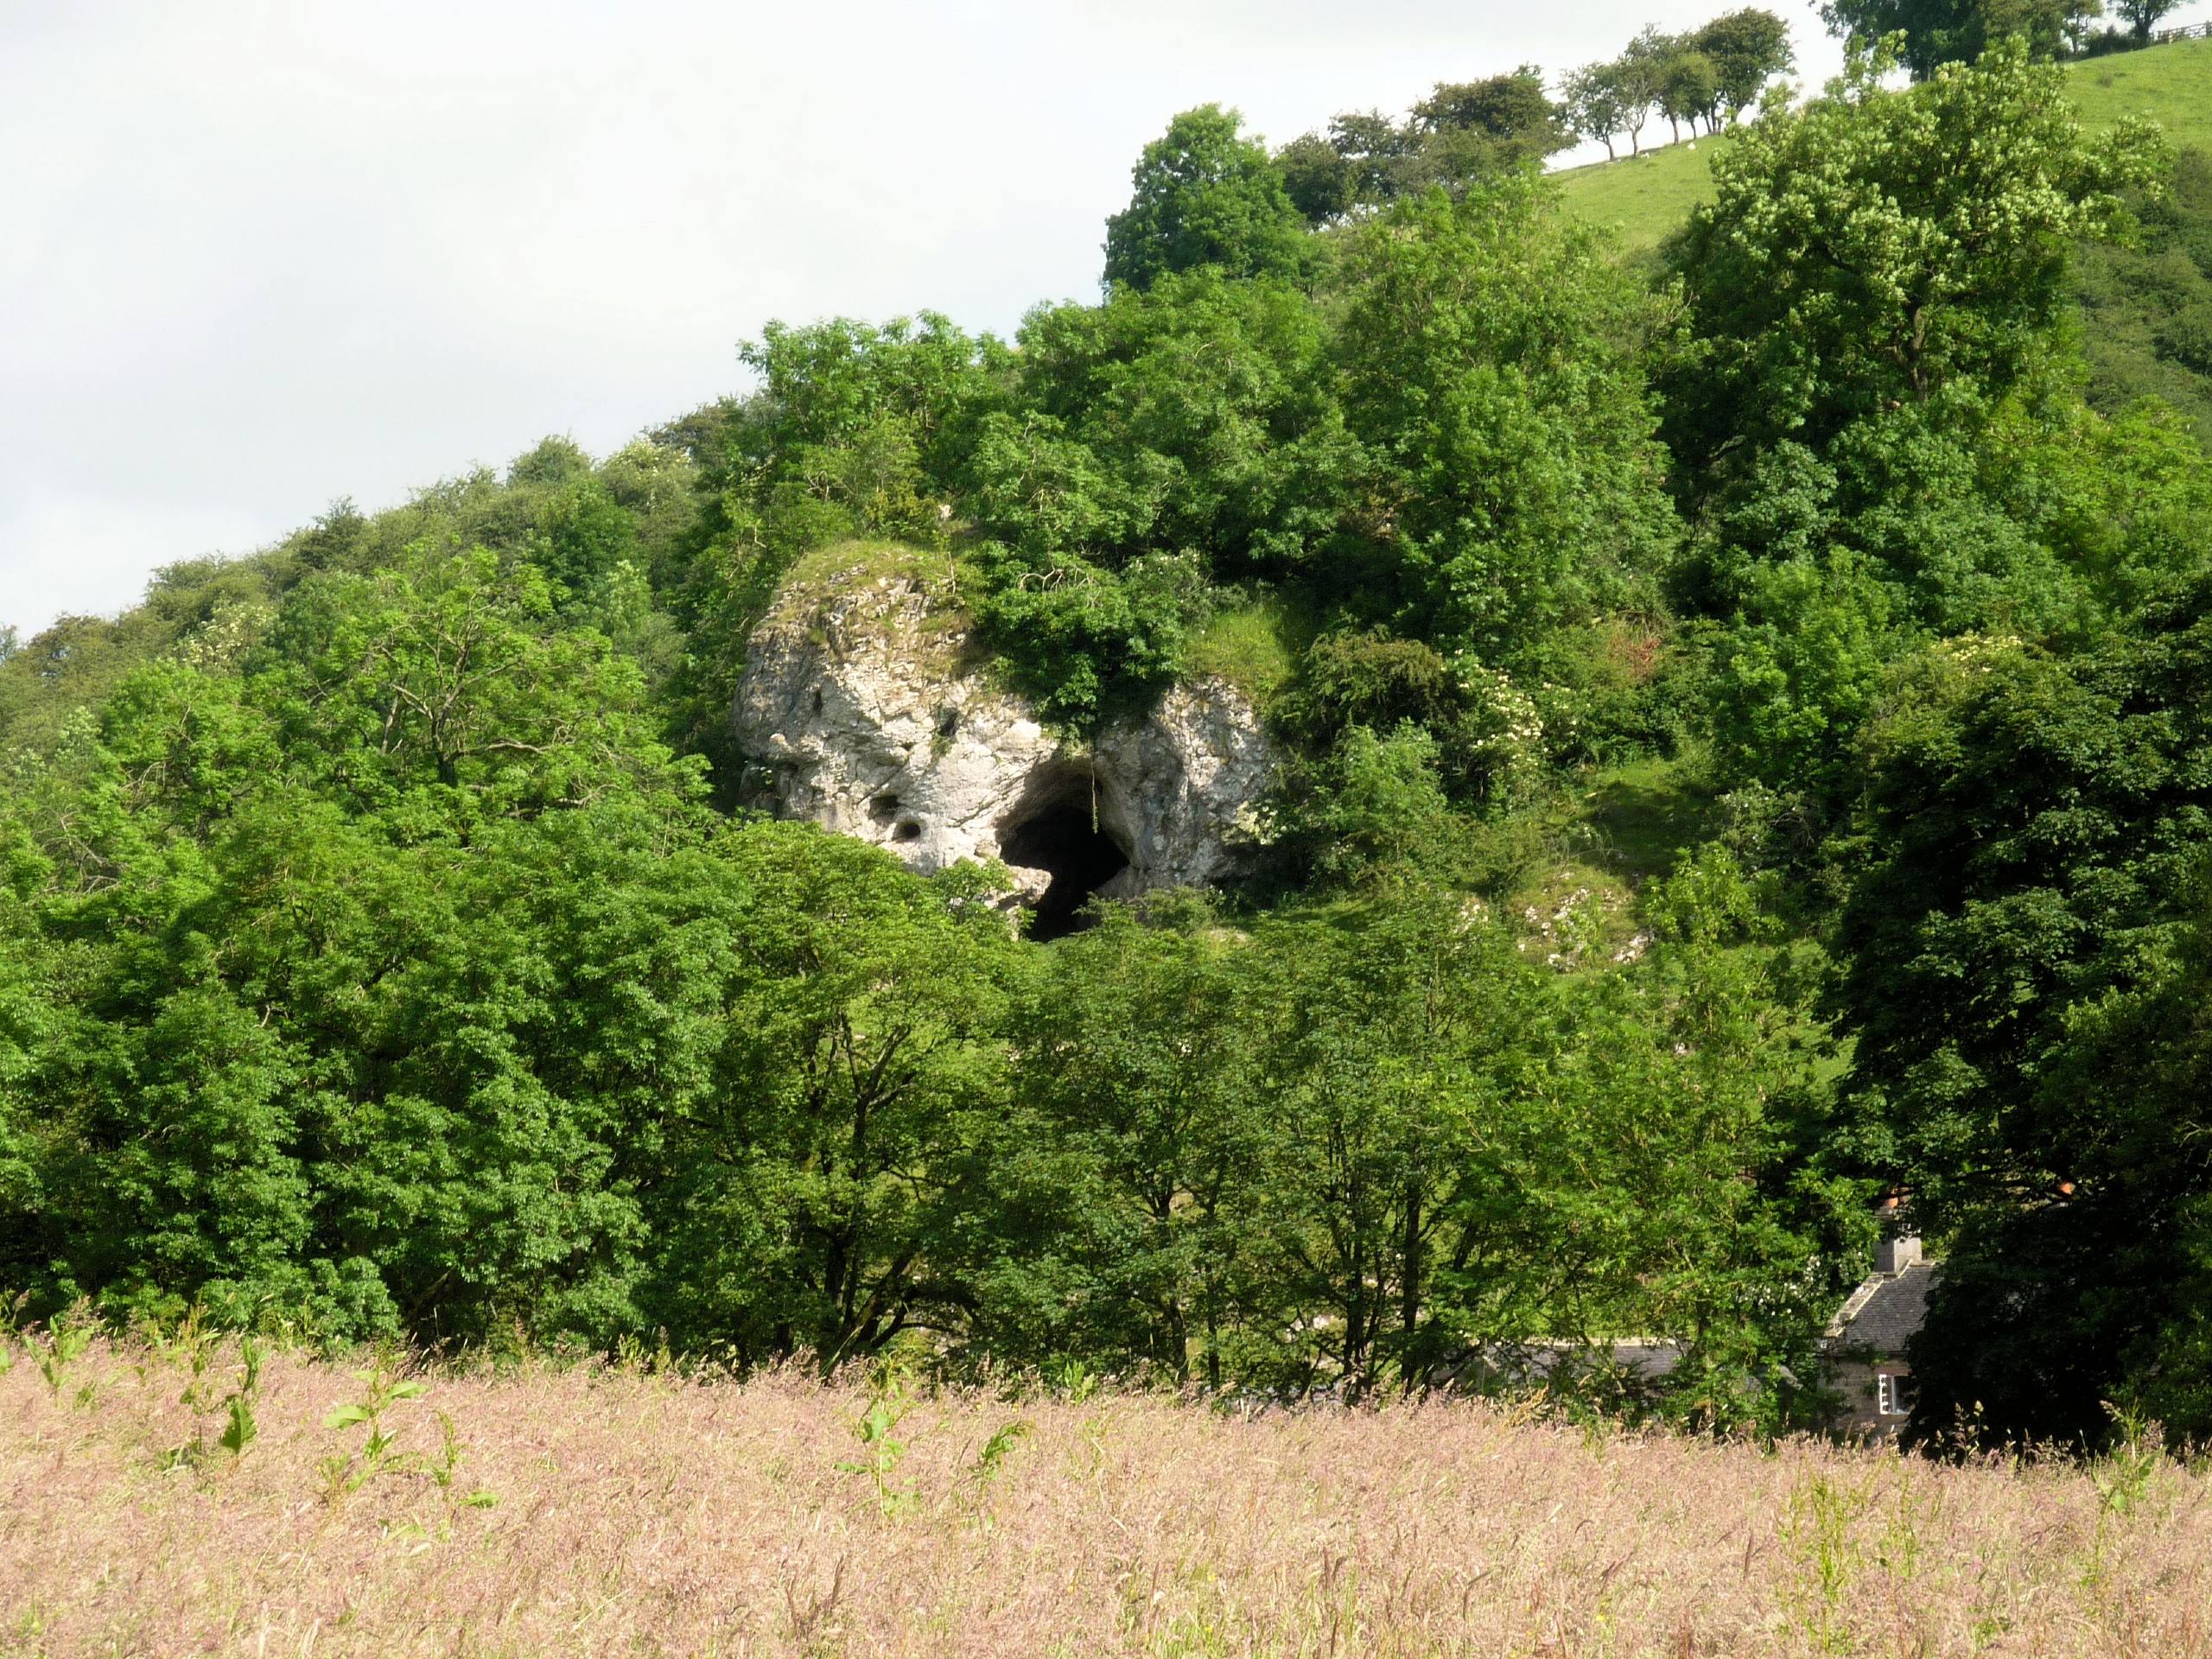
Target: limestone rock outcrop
867, 708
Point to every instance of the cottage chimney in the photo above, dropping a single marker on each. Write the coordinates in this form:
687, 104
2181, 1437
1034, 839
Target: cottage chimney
1900, 1245
1899, 1248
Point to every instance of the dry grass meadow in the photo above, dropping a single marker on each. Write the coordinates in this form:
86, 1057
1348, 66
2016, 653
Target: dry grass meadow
600, 1511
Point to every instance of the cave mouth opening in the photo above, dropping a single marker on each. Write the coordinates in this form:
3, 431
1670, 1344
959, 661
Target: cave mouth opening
1061, 837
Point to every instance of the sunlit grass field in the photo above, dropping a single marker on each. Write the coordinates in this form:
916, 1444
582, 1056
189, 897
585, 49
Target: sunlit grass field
1648, 197
626, 1510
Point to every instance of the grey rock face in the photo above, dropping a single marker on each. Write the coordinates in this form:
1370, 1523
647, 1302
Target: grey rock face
868, 713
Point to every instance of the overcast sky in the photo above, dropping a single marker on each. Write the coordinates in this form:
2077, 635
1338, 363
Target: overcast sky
257, 257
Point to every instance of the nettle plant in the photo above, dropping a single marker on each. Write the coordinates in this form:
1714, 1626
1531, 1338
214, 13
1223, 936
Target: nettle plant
198, 1350
890, 1399
346, 1472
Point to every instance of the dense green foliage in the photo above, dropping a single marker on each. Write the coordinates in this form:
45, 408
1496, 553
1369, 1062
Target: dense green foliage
1953, 31
1744, 751
1871, 403
1206, 197
2020, 959
2146, 322
374, 1025
1462, 134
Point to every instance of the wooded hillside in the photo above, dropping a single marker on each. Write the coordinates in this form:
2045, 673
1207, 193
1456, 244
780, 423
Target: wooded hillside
1745, 753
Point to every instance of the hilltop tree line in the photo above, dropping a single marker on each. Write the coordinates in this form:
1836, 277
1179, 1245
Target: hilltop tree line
1707, 76
1471, 130
382, 953
1948, 31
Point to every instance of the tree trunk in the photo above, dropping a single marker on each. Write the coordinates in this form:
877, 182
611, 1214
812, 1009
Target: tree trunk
1410, 1273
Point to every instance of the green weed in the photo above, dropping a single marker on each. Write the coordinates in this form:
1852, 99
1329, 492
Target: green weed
1074, 1381
11, 1314
65, 1343
990, 1462
877, 1429
2122, 1478
349, 1472
198, 1350
1817, 1530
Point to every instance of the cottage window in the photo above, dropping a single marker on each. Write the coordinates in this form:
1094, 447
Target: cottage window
1895, 1395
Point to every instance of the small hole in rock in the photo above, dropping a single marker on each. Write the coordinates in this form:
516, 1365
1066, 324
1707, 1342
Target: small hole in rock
883, 808
909, 830
948, 721
818, 702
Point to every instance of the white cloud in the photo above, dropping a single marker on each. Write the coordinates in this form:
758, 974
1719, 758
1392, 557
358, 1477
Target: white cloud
260, 256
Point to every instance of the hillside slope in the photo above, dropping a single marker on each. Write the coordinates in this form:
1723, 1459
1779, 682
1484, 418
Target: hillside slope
2145, 311
1646, 198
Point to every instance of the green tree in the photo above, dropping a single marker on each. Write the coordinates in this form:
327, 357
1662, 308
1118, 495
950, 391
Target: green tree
1093, 644
1483, 1167
1882, 249
854, 429
556, 461
1688, 87
1376, 150
2143, 15
1204, 195
451, 670
1208, 419
1596, 104
303, 1071
1372, 679
1171, 438
1801, 666
2020, 934
1123, 1181
1493, 377
2129, 1229
1639, 79
582, 534
858, 1062
1510, 111
1380, 817
1321, 183
1379, 1179
1748, 48
1717, 1127
1936, 32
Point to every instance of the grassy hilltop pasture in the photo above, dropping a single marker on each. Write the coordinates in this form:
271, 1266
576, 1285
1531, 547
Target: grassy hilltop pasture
1648, 197
594, 1510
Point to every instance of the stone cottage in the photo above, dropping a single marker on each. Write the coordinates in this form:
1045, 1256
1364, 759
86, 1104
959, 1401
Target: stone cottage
1864, 1343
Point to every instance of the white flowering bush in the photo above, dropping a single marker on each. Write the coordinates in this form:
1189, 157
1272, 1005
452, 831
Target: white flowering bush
1505, 732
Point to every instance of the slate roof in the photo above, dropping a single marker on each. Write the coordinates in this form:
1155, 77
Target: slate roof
1885, 1311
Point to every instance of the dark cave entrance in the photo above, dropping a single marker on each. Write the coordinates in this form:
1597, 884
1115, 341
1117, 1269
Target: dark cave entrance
1058, 835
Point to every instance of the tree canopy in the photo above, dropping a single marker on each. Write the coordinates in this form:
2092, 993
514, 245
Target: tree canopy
1205, 196
1936, 32
1739, 749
